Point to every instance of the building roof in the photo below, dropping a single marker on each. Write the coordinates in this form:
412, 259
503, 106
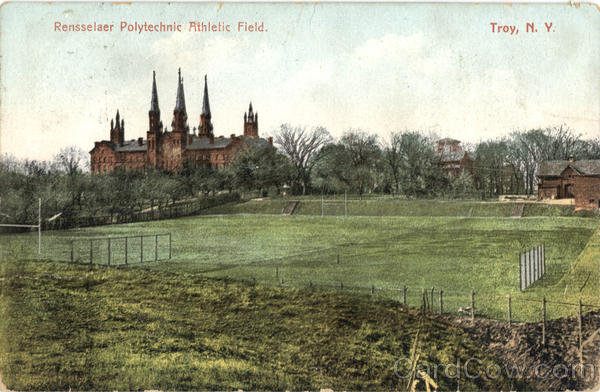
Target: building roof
555, 168
448, 140
131, 146
203, 143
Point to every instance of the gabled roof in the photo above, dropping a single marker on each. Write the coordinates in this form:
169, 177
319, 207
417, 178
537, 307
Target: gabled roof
203, 143
448, 140
556, 168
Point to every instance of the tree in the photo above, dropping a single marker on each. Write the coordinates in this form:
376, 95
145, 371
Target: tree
413, 164
352, 164
261, 168
302, 146
71, 160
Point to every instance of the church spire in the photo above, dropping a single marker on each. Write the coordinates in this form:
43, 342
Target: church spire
180, 101
205, 103
179, 123
205, 129
154, 102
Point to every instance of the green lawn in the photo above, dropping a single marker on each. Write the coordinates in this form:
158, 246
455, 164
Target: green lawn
455, 254
76, 327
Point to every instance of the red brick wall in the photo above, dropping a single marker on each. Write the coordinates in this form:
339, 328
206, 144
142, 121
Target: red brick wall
587, 192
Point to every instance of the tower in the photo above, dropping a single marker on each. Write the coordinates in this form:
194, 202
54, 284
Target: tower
205, 129
117, 130
251, 123
179, 123
155, 125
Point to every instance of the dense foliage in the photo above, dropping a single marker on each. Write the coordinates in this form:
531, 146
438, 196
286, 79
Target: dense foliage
309, 161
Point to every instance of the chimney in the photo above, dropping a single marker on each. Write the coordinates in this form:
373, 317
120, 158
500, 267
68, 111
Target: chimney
212, 139
232, 136
571, 159
270, 139
140, 141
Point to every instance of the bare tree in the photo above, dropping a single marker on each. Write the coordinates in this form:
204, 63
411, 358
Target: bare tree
301, 145
71, 160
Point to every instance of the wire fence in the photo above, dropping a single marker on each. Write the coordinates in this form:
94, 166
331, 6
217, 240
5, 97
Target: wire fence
114, 251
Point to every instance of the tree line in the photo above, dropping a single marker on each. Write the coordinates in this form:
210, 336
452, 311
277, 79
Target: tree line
304, 161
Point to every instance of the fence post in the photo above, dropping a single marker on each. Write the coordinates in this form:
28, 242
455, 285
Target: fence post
472, 305
544, 321
338, 258
72, 245
520, 271
322, 202
431, 301
126, 247
341, 285
544, 256
372, 289
441, 301
509, 309
91, 251
156, 247
345, 203
141, 249
580, 327
108, 249
404, 295
422, 301
169, 246
277, 273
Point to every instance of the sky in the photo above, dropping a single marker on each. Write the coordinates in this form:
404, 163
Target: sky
378, 67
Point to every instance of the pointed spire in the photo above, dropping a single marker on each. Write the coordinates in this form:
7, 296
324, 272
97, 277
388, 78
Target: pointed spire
154, 102
205, 103
118, 116
180, 101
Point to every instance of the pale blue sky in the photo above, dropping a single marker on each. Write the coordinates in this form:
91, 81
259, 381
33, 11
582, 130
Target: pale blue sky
379, 67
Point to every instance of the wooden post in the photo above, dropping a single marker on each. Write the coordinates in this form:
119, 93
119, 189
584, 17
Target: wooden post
404, 295
579, 331
372, 289
441, 301
141, 249
431, 301
544, 321
156, 247
544, 257
509, 309
277, 273
422, 301
322, 206
472, 305
72, 245
39, 226
520, 271
108, 249
126, 249
345, 203
91, 251
338, 258
341, 285
169, 246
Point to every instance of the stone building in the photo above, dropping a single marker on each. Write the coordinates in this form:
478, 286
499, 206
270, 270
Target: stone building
172, 150
453, 158
579, 180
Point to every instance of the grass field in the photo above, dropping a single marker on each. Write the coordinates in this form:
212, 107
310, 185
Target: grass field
450, 253
93, 328
233, 307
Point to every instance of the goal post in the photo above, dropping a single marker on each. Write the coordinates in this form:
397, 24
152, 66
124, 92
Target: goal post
329, 202
38, 226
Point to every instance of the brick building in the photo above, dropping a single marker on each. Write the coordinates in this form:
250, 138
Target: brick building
453, 158
171, 151
579, 180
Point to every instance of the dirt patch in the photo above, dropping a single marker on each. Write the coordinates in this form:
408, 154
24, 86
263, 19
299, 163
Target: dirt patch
553, 366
